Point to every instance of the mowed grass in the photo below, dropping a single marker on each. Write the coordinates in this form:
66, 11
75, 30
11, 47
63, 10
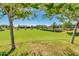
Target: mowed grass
37, 42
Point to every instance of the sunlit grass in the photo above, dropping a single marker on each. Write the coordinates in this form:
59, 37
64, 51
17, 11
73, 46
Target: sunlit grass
37, 42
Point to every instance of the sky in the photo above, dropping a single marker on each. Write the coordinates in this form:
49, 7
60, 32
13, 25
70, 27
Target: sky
39, 20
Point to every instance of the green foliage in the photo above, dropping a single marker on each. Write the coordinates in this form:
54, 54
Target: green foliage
16, 11
3, 53
67, 25
54, 26
69, 10
0, 27
42, 27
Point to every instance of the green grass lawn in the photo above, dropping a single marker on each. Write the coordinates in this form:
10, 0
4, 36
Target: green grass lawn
37, 42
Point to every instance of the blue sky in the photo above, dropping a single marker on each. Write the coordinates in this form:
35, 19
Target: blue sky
39, 20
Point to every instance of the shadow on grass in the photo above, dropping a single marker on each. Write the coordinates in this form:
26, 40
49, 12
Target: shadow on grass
76, 44
69, 52
71, 33
4, 53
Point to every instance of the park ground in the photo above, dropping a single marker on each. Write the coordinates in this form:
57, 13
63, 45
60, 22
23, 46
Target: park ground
39, 43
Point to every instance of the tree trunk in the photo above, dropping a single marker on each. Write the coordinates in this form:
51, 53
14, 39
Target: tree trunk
12, 34
74, 33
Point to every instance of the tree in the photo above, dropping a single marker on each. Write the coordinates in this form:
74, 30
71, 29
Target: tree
67, 25
54, 25
14, 11
18, 27
0, 28
68, 10
71, 11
